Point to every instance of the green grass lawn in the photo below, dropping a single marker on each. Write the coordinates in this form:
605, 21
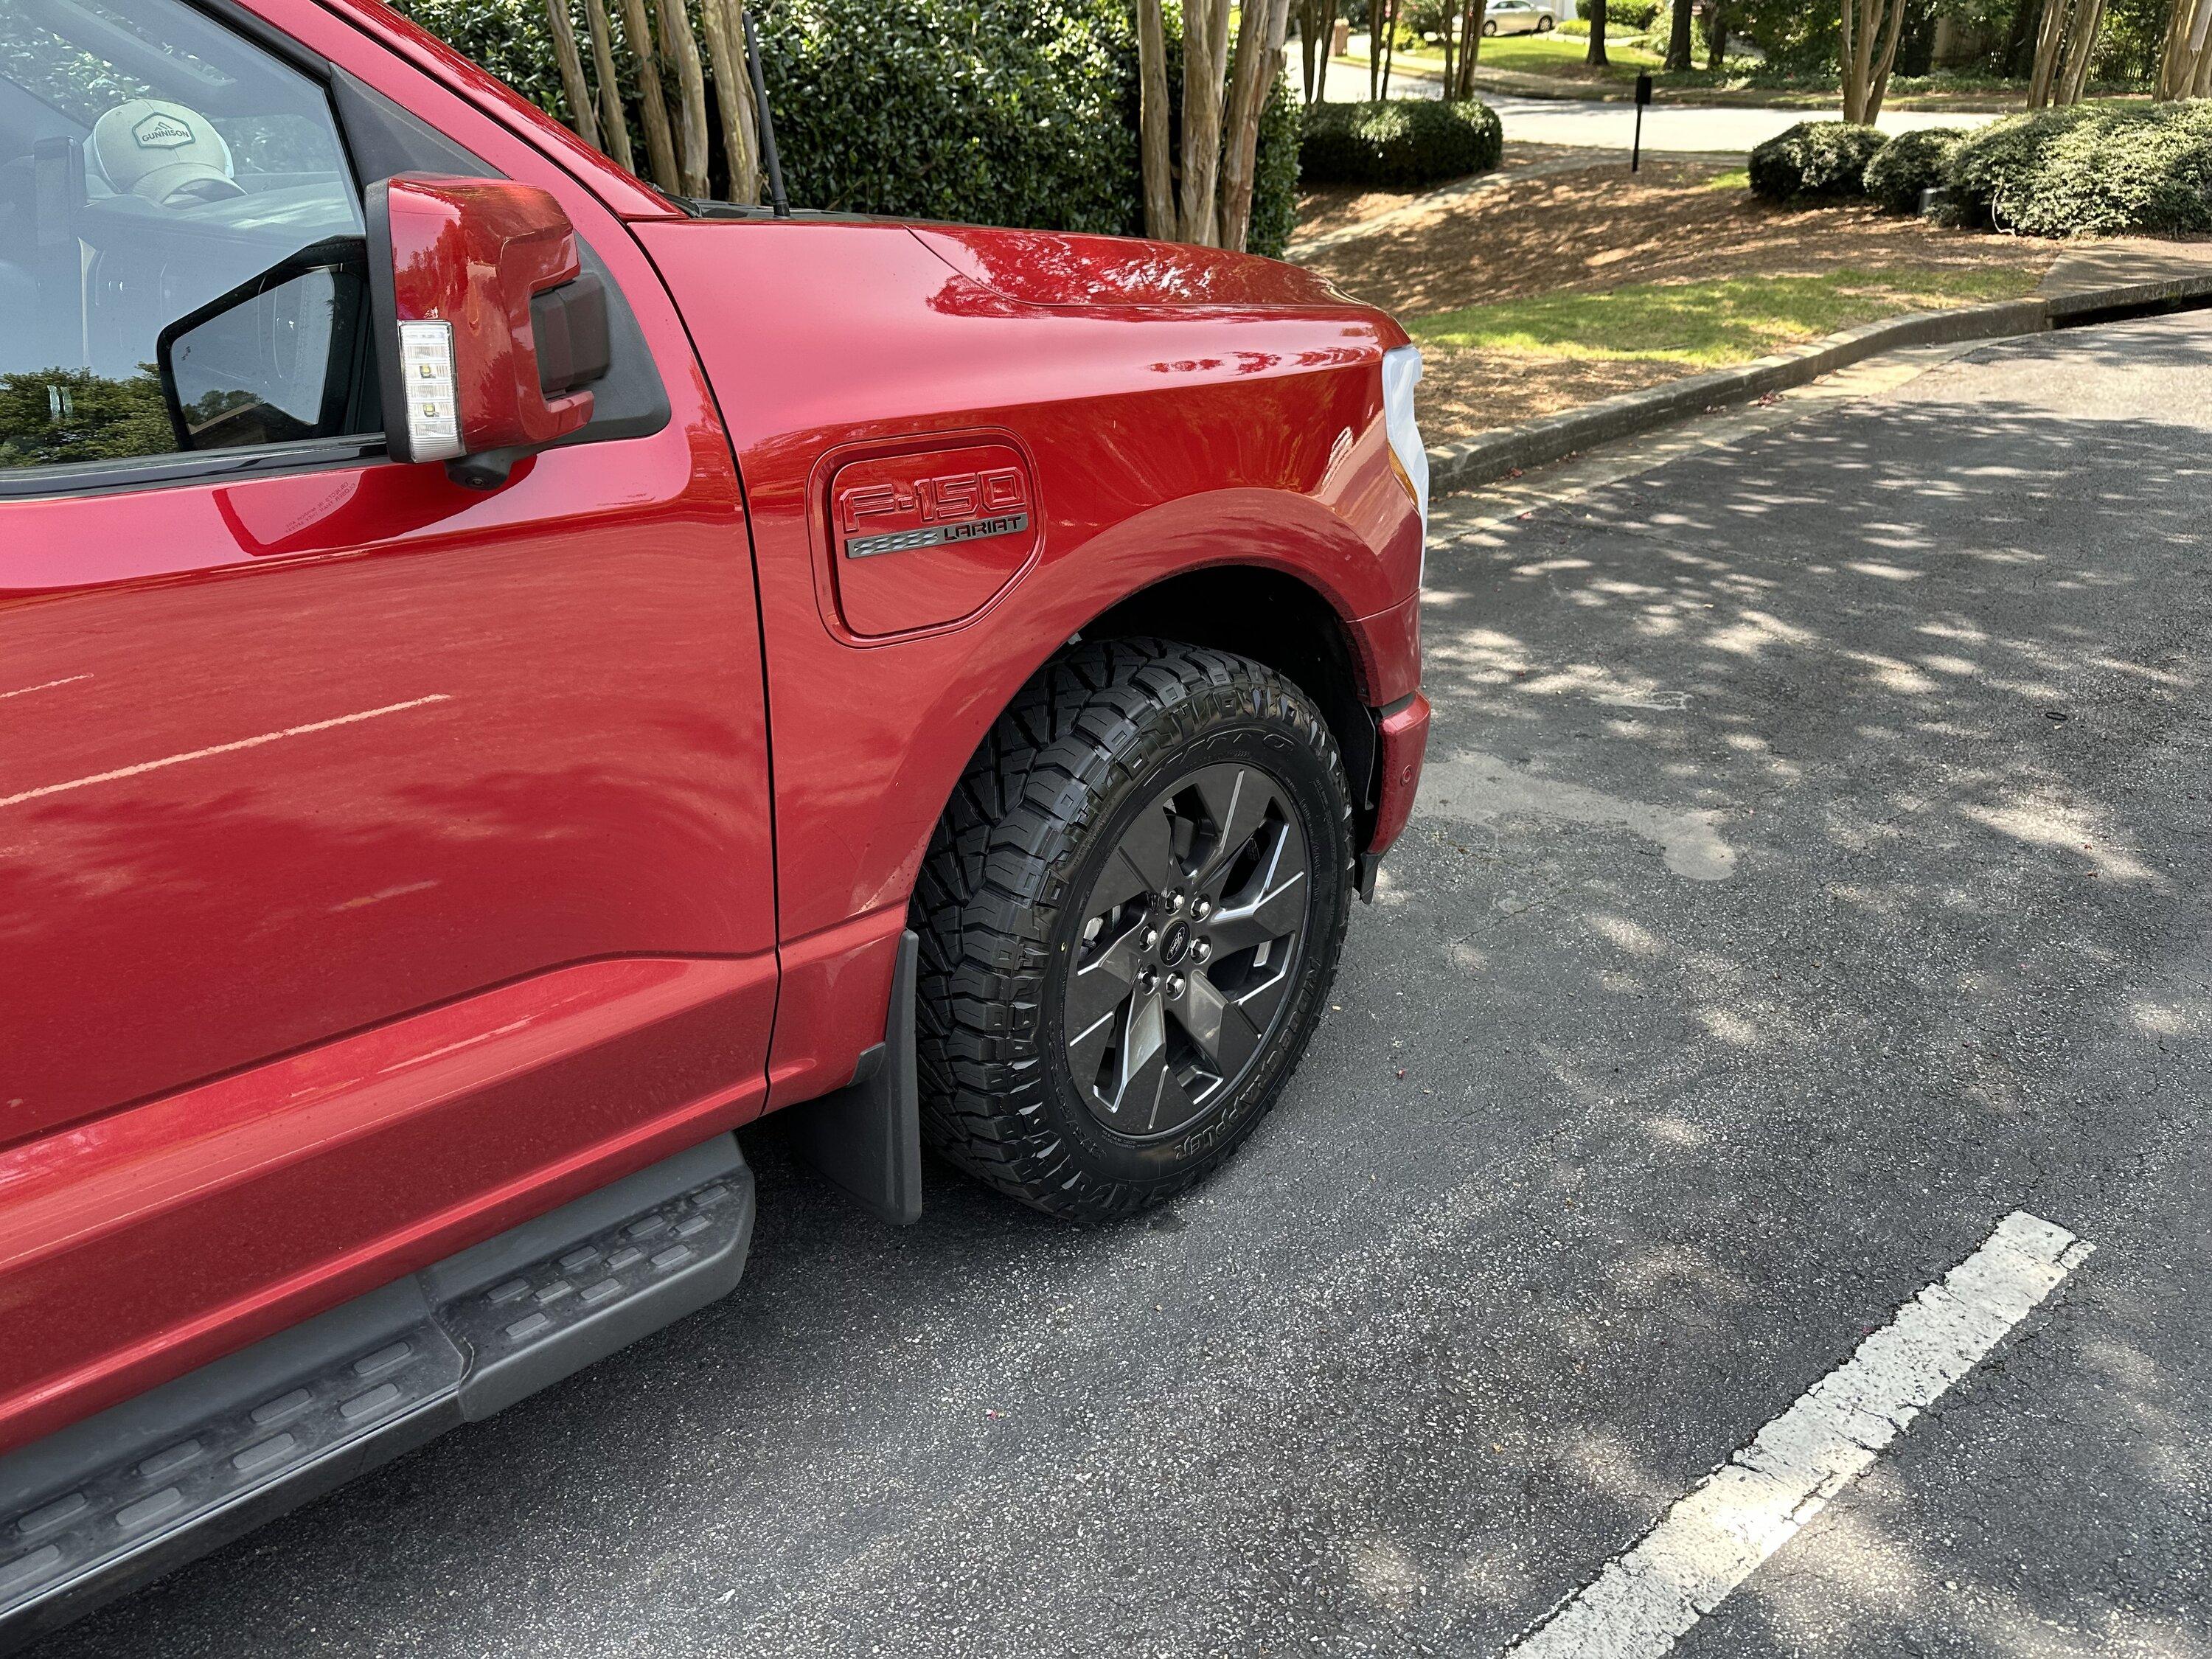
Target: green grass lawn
1549, 54
1552, 53
1710, 324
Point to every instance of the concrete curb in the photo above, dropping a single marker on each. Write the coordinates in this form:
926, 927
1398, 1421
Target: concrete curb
1492, 455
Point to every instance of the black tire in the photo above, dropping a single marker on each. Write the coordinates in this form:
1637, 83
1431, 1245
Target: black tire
1490, 28
1544, 24
1110, 740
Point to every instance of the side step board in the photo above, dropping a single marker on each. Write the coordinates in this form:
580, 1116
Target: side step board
106, 1504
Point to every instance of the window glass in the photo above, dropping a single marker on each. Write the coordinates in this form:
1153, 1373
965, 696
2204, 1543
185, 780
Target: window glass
181, 257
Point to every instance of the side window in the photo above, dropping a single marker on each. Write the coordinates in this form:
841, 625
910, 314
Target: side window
181, 253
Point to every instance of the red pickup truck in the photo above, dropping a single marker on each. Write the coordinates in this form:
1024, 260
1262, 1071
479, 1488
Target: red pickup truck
505, 677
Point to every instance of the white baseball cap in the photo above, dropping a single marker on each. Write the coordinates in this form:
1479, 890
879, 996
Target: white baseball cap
163, 152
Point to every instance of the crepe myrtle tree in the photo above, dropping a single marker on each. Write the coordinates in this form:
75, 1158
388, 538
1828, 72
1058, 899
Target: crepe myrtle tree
2065, 41
1215, 160
1872, 29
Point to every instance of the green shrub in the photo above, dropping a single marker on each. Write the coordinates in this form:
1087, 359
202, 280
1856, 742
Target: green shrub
1635, 16
1907, 165
990, 112
1399, 141
2093, 170
1814, 159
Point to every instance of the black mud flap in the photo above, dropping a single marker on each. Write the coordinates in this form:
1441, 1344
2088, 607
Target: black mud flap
866, 1137
105, 1504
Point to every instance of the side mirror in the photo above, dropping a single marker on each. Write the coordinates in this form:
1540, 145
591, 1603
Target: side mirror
486, 324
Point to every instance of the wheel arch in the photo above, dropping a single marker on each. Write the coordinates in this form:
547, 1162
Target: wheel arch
1272, 617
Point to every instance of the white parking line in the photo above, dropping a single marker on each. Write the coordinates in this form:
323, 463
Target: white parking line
221, 749
1710, 1541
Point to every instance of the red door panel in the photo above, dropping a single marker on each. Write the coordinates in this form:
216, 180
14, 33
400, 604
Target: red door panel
288, 757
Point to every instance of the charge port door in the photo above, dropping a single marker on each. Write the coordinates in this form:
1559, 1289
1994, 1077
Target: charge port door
927, 538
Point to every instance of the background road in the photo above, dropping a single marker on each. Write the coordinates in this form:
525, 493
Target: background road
1813, 868
1609, 124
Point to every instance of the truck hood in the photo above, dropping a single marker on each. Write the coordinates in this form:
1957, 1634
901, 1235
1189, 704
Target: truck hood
1053, 267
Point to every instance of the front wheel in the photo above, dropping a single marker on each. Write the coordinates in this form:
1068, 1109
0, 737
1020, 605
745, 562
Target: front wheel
1130, 917
1490, 28
1543, 25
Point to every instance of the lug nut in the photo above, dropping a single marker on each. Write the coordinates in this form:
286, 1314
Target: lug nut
1202, 950
1174, 898
1149, 938
1175, 985
1149, 980
1202, 907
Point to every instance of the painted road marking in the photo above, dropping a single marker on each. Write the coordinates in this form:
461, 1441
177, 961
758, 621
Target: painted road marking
221, 748
1711, 1541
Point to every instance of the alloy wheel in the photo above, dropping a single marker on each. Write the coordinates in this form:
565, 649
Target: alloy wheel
1188, 951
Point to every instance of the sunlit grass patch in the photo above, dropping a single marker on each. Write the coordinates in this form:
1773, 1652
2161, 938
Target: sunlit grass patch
1734, 179
1706, 325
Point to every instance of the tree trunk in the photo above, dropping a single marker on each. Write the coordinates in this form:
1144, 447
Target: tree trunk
1205, 44
683, 49
1374, 50
612, 119
570, 64
1389, 44
1258, 71
1316, 25
1469, 59
2179, 67
1451, 55
1677, 38
1152, 121
1872, 29
2048, 35
1595, 56
734, 97
652, 106
1717, 35
2074, 66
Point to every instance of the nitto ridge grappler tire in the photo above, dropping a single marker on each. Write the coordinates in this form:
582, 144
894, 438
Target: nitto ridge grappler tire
1130, 916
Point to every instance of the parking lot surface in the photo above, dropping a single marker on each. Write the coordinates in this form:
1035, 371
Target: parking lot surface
1812, 871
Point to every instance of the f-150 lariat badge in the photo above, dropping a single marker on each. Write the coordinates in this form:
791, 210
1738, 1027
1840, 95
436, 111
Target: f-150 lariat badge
895, 514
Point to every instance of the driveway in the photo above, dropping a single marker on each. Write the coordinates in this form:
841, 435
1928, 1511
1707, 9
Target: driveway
1812, 872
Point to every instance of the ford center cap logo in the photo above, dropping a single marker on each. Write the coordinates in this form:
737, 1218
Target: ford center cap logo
161, 132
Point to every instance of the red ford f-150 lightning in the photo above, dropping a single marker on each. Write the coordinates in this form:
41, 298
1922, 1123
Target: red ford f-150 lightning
506, 677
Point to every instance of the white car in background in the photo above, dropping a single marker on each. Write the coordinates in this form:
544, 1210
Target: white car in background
1515, 17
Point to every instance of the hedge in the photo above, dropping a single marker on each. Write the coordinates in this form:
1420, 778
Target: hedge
1399, 141
1907, 165
1634, 15
1814, 159
2093, 170
991, 111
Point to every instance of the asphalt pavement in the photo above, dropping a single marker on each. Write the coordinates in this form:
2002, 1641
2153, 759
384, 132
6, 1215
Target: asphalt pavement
1812, 871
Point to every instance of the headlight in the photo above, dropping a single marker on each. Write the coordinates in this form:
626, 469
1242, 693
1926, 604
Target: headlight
1402, 373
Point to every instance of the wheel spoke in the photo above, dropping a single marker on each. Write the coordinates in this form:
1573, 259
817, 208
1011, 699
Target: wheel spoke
1258, 1003
1276, 911
1143, 861
1103, 984
1237, 799
1170, 1100
1087, 1047
1225, 1033
1143, 1062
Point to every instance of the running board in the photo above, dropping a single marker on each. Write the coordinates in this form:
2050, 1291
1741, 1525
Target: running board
108, 1503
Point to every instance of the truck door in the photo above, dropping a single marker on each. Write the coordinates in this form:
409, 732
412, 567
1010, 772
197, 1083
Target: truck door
382, 860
